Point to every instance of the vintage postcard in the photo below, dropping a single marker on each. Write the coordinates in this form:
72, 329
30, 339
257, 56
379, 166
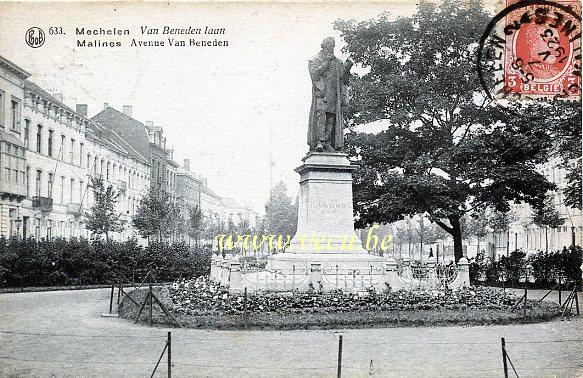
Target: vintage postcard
291, 188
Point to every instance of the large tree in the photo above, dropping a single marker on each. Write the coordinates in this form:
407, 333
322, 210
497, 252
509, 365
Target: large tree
156, 216
103, 218
447, 150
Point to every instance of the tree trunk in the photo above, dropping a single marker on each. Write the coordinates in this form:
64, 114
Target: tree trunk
546, 239
456, 233
458, 251
455, 230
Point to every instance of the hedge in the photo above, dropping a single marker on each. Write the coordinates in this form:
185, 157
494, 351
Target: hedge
539, 270
64, 262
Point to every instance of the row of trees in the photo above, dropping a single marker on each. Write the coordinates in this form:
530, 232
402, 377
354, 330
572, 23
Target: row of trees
159, 218
476, 225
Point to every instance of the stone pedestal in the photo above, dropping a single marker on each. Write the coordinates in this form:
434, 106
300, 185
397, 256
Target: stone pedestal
325, 233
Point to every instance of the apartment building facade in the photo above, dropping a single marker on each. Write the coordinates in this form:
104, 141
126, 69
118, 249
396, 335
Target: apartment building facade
50, 153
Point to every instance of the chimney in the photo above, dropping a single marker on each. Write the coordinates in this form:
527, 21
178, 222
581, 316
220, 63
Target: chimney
59, 97
127, 110
82, 109
105, 105
187, 165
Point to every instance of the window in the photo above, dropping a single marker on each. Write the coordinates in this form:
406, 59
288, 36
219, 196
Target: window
15, 107
7, 174
62, 189
80, 191
72, 151
107, 171
28, 181
72, 190
50, 143
89, 163
15, 176
39, 134
50, 186
80, 154
62, 152
1, 109
38, 178
26, 131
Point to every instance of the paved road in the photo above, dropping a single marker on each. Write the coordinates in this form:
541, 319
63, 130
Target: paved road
62, 334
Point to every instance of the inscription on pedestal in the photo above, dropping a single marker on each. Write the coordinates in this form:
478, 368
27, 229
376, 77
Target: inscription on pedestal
329, 208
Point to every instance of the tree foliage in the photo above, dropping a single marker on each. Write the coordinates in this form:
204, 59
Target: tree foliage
548, 216
564, 120
281, 214
447, 150
195, 223
156, 216
103, 218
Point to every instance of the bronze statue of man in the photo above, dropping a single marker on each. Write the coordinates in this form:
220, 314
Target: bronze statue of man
329, 97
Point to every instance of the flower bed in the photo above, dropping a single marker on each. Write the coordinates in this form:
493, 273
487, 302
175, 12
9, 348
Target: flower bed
202, 297
202, 304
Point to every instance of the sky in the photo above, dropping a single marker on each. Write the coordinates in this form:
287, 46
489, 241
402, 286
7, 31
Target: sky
239, 113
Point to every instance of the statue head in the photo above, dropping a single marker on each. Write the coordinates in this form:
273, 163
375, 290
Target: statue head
328, 44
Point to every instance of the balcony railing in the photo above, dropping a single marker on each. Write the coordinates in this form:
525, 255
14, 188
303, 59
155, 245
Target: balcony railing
44, 204
74, 208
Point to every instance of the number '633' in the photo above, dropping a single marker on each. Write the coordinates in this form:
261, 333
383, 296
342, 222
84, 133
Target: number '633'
56, 30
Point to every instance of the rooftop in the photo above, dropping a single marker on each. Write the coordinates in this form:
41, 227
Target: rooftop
124, 130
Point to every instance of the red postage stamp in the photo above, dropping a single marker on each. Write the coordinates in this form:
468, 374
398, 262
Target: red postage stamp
542, 53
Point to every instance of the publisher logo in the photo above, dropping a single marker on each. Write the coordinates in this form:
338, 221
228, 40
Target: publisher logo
35, 37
